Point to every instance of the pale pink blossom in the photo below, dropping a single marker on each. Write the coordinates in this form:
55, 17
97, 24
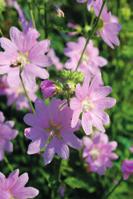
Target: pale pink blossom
91, 102
13, 187
23, 53
98, 153
108, 27
91, 61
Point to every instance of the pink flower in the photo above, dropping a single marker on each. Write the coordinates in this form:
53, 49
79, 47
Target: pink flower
91, 101
98, 153
24, 53
51, 121
7, 134
55, 60
91, 61
109, 26
13, 187
48, 88
127, 168
15, 92
90, 3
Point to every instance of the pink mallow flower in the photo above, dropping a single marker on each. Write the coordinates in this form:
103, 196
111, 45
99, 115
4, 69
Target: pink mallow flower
7, 134
91, 61
52, 121
13, 187
90, 102
98, 153
15, 92
24, 53
108, 27
127, 168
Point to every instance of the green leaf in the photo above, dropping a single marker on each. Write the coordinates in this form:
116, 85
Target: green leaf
76, 183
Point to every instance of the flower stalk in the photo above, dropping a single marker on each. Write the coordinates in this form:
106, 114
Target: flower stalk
113, 189
93, 30
8, 164
25, 91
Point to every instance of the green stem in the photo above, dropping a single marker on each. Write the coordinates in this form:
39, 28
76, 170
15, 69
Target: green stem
25, 91
92, 20
47, 143
45, 19
8, 164
1, 33
59, 174
93, 30
113, 189
32, 15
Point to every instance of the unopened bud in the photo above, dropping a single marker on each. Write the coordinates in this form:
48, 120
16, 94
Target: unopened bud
48, 88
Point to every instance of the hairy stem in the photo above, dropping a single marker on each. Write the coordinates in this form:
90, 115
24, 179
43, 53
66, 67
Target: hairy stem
25, 91
47, 142
32, 15
1, 33
8, 164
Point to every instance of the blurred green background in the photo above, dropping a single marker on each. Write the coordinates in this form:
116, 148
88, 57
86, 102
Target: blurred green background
77, 183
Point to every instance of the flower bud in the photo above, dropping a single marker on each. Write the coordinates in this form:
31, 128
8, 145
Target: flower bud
48, 88
127, 168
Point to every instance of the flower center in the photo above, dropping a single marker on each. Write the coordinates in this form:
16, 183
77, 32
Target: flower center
22, 60
12, 197
94, 153
55, 128
87, 105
